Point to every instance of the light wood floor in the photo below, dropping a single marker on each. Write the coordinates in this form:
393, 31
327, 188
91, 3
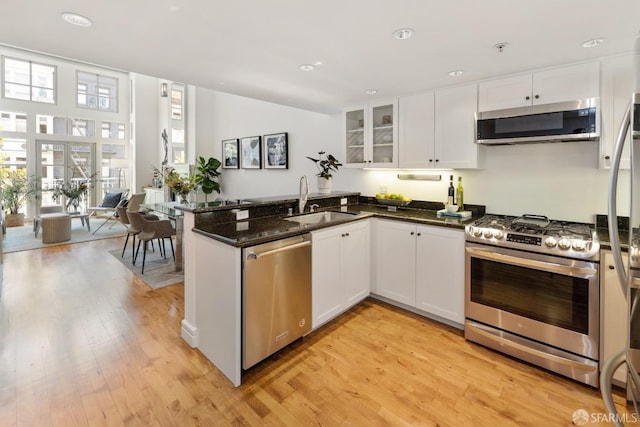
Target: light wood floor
83, 342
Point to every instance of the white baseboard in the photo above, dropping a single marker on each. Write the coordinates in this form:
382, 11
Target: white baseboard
189, 333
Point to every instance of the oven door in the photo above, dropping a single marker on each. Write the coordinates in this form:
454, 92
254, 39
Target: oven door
552, 300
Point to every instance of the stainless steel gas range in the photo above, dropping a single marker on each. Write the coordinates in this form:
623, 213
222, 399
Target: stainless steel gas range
532, 291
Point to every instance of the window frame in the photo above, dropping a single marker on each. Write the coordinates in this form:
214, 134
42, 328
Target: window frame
98, 95
31, 86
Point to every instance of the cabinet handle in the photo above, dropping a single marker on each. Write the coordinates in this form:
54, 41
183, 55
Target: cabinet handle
418, 234
607, 157
412, 233
437, 160
346, 234
430, 160
527, 97
611, 267
537, 97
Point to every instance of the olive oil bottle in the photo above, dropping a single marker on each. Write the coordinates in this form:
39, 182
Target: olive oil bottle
460, 195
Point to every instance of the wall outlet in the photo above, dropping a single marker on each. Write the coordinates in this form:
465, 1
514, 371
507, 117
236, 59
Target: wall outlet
343, 201
242, 214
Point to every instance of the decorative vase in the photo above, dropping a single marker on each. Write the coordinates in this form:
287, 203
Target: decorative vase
184, 198
324, 185
15, 220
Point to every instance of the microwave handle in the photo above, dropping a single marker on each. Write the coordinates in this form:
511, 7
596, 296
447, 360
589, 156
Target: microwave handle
581, 272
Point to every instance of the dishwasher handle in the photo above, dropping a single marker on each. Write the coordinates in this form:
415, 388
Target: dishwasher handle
254, 255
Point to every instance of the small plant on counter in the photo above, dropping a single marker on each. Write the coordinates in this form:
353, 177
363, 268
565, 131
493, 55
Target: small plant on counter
180, 185
327, 165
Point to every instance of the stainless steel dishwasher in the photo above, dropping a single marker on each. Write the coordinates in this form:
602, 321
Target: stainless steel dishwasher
276, 300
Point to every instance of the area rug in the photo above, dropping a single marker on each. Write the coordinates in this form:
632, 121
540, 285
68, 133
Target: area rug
158, 271
23, 238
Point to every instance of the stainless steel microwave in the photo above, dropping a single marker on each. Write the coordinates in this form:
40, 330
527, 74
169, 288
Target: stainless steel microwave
558, 122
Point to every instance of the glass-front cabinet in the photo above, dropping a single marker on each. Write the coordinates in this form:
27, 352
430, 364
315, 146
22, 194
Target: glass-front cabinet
371, 135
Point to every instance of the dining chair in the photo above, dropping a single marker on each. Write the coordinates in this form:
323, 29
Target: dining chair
151, 229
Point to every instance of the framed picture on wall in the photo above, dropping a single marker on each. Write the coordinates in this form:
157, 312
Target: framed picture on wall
230, 154
275, 151
250, 152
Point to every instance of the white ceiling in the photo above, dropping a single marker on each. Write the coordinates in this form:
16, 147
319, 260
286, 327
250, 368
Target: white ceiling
254, 47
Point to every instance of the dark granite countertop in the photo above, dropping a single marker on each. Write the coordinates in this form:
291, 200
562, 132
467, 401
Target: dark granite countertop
260, 230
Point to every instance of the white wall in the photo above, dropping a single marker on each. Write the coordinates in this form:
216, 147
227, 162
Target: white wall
145, 125
223, 116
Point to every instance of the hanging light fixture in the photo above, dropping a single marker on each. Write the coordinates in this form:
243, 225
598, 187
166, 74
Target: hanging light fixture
164, 90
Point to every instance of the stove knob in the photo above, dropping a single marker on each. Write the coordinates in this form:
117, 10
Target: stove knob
498, 234
564, 244
550, 242
579, 245
488, 233
477, 232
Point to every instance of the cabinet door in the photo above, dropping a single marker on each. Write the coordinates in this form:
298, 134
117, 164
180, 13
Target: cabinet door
455, 145
415, 143
383, 146
395, 262
354, 268
616, 95
504, 93
613, 318
440, 272
567, 83
325, 276
355, 128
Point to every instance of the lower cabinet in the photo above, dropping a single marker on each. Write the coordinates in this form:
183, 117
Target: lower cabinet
421, 266
340, 269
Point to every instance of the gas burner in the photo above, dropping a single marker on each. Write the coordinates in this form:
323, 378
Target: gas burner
536, 233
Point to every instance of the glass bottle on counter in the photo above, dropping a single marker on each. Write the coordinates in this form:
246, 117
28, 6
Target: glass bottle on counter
460, 195
451, 192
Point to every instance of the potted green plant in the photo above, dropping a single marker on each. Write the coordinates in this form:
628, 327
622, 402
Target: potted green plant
326, 166
207, 173
15, 189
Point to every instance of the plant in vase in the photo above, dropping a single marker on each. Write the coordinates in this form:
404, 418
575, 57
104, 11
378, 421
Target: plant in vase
207, 173
179, 185
74, 191
15, 189
326, 166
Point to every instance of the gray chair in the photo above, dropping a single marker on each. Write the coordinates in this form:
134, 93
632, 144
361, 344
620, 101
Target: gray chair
151, 229
123, 217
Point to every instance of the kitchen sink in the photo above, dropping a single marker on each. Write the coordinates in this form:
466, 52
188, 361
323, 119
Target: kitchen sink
320, 218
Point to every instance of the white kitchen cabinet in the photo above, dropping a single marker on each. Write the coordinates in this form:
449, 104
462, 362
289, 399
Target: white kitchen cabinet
340, 269
613, 314
555, 85
371, 135
422, 267
454, 142
395, 261
416, 131
616, 94
440, 272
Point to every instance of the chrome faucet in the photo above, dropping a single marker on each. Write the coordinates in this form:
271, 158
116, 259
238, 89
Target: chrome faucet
312, 207
303, 193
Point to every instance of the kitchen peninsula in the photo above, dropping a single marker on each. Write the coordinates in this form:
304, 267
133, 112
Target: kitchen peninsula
215, 234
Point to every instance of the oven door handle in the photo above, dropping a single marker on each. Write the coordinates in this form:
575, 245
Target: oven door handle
552, 267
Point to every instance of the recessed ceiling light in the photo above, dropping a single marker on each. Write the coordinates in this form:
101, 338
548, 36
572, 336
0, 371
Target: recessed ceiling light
317, 63
592, 43
75, 19
456, 73
403, 33
307, 67
370, 91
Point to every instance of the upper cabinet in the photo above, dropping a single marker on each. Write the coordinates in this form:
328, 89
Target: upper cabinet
437, 129
555, 85
371, 135
616, 95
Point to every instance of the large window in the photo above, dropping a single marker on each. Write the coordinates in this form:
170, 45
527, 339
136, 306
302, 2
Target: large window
97, 92
29, 81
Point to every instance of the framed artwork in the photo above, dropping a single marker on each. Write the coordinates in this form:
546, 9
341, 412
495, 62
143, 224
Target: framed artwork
230, 154
251, 153
275, 151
